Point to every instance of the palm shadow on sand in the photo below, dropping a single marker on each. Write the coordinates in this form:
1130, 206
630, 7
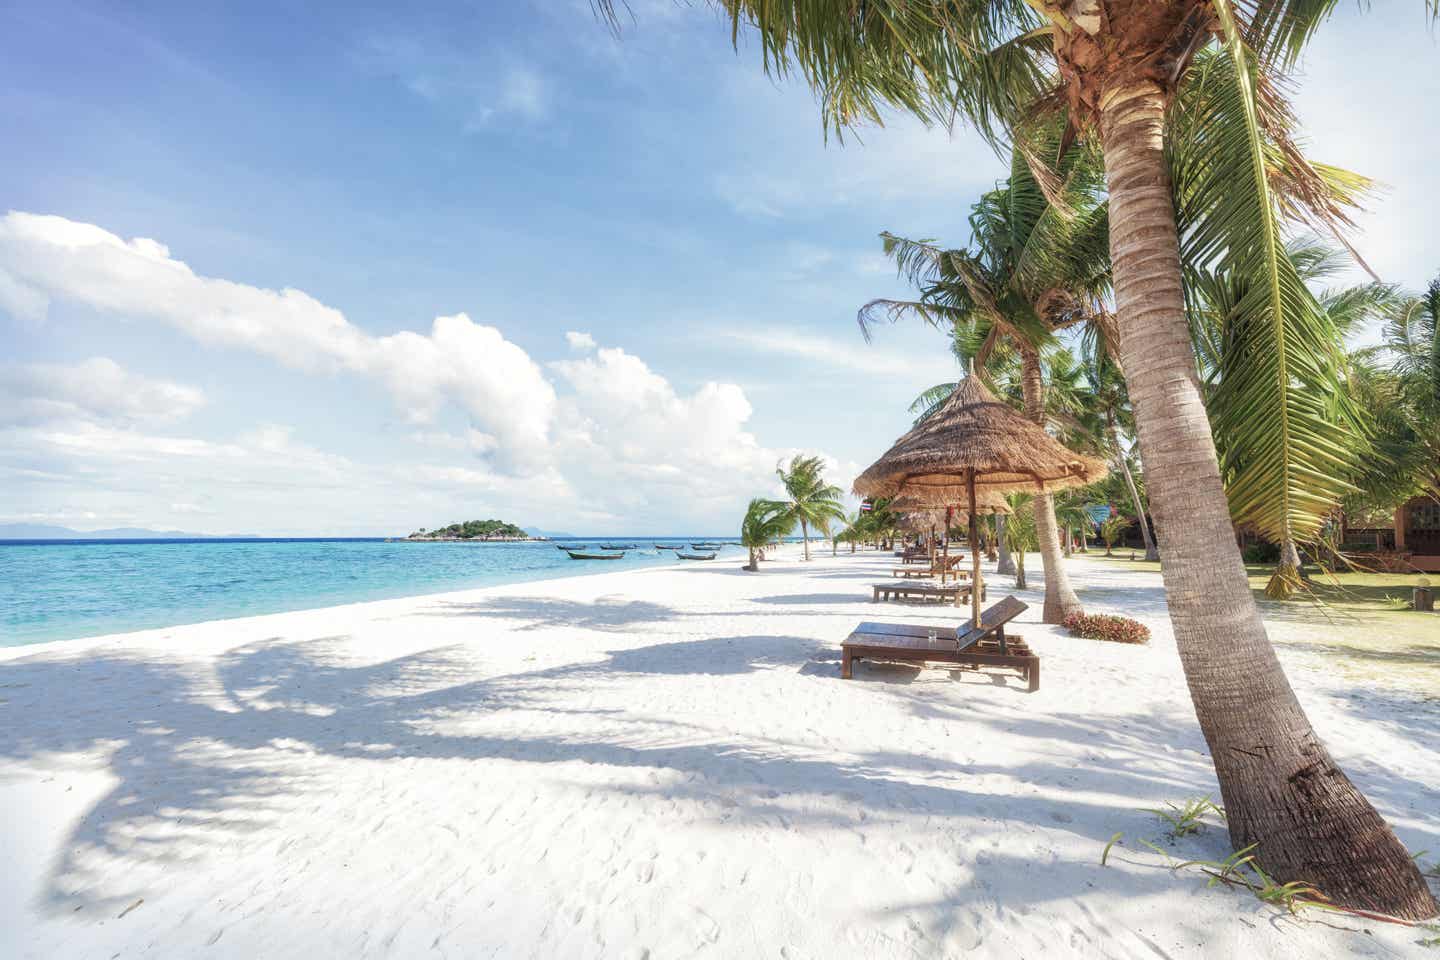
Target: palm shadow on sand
204, 759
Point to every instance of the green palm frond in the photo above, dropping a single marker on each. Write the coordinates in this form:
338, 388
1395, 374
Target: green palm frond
766, 521
1020, 533
812, 501
1270, 351
1412, 334
983, 60
931, 400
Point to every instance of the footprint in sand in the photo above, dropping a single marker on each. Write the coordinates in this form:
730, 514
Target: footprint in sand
706, 926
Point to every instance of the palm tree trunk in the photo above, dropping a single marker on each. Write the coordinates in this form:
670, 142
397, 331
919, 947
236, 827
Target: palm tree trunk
1289, 572
1281, 788
1006, 563
1067, 542
1150, 552
1019, 571
805, 535
1060, 599
753, 565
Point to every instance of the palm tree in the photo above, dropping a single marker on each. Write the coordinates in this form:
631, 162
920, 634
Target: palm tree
1019, 533
1110, 530
1071, 515
1033, 267
1109, 400
1398, 382
1115, 67
1005, 564
813, 502
1284, 473
766, 521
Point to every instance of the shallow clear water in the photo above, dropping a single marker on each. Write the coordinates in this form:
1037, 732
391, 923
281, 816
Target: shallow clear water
59, 590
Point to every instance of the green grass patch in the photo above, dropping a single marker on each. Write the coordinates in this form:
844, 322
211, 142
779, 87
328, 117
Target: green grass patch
1121, 560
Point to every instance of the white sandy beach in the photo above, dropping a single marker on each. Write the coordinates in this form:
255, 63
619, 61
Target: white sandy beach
651, 763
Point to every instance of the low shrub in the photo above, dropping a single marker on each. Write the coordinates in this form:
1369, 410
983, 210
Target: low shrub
1101, 626
1262, 553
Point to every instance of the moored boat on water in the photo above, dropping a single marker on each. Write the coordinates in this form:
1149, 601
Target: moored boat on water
577, 555
696, 556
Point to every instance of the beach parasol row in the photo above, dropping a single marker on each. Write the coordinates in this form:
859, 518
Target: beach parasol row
969, 454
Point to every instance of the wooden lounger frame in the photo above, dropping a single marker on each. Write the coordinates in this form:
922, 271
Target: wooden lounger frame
925, 591
945, 567
988, 646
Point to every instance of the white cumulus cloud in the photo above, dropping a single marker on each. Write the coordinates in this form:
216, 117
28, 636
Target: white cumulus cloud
597, 439
579, 341
471, 364
95, 389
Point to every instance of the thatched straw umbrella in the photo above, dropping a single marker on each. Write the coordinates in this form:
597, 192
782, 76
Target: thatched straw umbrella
940, 505
978, 444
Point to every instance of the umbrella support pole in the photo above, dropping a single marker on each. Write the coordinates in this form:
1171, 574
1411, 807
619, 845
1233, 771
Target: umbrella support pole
974, 553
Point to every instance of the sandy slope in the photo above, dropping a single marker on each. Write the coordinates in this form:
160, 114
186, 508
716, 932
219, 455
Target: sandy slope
654, 763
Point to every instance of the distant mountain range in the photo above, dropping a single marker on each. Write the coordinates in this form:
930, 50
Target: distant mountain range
552, 534
40, 531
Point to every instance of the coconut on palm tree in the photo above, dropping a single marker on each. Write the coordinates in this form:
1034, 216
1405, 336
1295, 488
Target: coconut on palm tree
766, 521
1114, 68
813, 502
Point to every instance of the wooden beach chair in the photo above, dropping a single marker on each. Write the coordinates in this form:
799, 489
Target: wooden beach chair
988, 646
907, 590
942, 567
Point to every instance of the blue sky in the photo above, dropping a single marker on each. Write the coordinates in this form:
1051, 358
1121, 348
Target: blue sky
333, 181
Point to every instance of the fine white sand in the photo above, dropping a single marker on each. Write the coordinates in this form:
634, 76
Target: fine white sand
657, 763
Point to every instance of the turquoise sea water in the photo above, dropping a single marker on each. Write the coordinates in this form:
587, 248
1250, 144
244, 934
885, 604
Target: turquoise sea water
60, 590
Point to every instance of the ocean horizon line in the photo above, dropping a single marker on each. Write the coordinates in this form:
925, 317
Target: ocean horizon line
69, 589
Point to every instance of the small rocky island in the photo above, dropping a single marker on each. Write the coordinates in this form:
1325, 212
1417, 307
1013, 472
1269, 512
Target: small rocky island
482, 530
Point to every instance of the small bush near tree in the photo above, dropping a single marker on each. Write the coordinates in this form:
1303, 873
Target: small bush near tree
1261, 553
1101, 626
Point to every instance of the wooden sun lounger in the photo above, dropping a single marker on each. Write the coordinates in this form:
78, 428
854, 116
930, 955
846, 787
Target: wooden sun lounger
923, 591
988, 646
943, 567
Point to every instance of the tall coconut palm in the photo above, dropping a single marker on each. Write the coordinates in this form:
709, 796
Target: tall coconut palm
813, 502
1115, 67
1412, 337
1399, 383
766, 521
1019, 533
1110, 531
1109, 400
